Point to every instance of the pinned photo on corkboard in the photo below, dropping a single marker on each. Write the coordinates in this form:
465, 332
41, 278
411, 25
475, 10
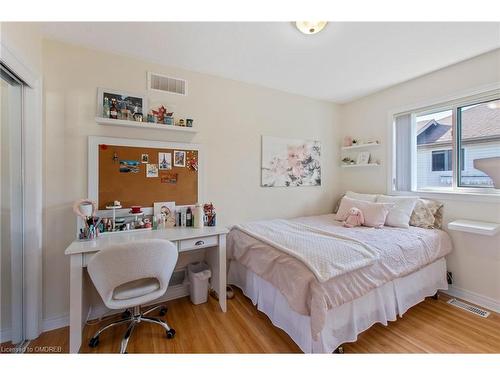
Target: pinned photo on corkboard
169, 178
179, 159
165, 160
145, 158
151, 170
127, 166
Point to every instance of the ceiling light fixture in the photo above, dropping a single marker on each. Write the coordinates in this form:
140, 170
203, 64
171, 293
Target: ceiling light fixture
310, 27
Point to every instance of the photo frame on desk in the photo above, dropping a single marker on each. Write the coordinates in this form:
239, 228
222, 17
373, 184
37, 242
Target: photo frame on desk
97, 143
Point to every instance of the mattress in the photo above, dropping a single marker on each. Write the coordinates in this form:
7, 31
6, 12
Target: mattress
400, 252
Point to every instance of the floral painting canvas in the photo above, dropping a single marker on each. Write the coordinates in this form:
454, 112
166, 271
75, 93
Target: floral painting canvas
290, 162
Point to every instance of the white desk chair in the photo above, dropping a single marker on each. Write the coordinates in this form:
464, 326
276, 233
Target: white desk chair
130, 275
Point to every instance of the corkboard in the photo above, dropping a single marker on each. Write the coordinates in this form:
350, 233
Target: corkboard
135, 189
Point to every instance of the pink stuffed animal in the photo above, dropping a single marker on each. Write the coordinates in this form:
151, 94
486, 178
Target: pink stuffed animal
355, 218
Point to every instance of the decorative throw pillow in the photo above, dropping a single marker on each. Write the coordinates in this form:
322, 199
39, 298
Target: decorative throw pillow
374, 213
361, 197
337, 204
427, 214
399, 215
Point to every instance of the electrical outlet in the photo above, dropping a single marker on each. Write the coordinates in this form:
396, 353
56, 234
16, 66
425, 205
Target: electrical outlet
449, 277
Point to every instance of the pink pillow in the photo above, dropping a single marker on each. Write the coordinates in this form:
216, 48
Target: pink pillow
374, 213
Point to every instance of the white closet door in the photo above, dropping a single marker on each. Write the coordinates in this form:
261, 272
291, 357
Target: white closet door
11, 217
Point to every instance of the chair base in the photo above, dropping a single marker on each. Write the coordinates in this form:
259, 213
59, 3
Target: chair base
133, 319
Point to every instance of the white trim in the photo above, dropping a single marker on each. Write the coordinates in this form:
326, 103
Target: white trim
8, 57
93, 159
475, 298
55, 322
460, 97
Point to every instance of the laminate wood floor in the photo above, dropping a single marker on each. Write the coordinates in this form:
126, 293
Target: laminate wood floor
432, 326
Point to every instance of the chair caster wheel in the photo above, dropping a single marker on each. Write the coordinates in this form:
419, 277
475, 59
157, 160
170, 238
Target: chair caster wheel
170, 333
126, 314
163, 311
94, 341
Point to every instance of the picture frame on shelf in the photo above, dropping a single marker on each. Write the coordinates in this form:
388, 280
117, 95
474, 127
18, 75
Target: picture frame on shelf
132, 102
363, 158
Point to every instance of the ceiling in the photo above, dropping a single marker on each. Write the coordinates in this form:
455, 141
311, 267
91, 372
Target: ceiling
343, 62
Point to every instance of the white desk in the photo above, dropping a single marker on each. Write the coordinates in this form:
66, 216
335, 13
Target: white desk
186, 239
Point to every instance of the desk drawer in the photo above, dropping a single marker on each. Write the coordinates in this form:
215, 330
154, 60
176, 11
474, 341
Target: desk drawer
198, 243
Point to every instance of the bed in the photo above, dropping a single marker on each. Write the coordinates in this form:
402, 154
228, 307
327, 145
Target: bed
323, 283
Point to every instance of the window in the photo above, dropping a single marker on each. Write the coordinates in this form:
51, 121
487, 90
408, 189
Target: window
441, 160
426, 144
478, 126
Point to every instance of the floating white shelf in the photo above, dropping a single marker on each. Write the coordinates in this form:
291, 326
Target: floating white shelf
357, 147
476, 227
144, 125
369, 165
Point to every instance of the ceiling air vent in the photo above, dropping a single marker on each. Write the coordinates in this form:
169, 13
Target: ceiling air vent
164, 83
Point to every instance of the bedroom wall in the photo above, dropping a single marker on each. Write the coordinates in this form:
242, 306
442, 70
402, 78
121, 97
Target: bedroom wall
475, 262
231, 117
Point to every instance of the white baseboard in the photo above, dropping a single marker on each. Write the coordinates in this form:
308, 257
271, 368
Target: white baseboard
475, 298
55, 322
173, 292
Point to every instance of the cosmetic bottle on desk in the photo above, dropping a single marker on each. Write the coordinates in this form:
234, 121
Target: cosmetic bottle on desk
198, 216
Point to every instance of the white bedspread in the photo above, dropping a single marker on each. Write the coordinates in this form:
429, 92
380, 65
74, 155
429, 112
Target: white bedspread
327, 254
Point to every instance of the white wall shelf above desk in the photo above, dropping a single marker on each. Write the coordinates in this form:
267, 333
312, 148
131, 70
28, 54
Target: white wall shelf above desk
144, 125
369, 165
361, 146
476, 227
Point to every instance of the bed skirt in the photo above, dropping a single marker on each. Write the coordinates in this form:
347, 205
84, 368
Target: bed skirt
345, 322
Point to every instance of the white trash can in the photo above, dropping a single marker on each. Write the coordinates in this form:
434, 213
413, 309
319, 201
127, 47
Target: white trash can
198, 274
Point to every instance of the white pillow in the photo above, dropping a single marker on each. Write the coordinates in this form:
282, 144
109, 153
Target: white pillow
399, 215
361, 197
374, 213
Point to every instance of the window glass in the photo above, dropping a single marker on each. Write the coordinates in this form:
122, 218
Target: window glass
434, 149
479, 129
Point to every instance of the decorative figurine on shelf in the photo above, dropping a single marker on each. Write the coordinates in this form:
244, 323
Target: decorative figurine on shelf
113, 111
151, 117
189, 122
181, 122
137, 115
160, 114
210, 215
347, 141
348, 161
168, 120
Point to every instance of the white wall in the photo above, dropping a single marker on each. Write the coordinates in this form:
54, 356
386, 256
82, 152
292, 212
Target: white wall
231, 117
24, 40
475, 262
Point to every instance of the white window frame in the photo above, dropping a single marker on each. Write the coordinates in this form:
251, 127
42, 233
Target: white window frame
480, 94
